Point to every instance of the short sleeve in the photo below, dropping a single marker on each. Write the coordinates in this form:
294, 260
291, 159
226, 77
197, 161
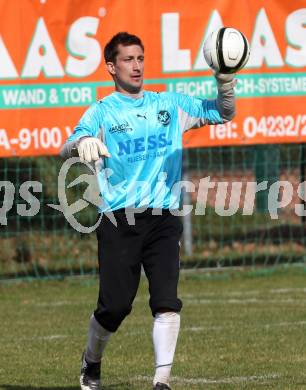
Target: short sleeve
89, 124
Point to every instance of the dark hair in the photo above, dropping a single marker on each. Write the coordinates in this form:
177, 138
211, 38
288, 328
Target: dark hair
122, 38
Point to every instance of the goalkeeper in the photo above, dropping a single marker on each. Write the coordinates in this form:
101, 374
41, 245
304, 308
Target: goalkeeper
138, 135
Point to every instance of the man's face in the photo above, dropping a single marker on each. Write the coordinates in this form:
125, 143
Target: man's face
128, 68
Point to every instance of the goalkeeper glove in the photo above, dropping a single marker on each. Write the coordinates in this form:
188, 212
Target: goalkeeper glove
91, 148
224, 77
225, 81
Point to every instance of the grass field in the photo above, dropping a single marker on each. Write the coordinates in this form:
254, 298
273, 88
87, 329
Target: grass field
240, 330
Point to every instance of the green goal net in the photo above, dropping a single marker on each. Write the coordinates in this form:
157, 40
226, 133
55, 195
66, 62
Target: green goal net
247, 210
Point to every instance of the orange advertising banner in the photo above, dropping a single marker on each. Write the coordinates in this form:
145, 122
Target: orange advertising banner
52, 66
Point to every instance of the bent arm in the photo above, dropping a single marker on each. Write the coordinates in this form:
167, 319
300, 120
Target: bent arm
226, 102
196, 112
225, 105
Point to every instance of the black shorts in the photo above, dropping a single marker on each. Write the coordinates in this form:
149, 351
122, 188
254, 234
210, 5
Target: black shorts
153, 242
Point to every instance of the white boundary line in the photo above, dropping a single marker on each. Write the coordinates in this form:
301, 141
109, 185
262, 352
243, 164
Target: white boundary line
226, 327
148, 331
204, 298
230, 380
248, 301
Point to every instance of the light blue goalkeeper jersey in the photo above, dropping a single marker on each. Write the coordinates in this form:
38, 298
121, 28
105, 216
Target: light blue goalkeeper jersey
144, 138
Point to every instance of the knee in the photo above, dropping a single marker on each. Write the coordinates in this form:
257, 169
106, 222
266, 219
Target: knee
110, 317
165, 306
119, 312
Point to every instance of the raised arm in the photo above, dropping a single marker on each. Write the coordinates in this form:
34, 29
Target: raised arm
195, 112
226, 96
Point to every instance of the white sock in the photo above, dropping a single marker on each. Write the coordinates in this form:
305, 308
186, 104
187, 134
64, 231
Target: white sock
97, 340
165, 332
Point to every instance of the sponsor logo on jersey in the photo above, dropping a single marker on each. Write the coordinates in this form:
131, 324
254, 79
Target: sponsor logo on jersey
164, 117
122, 128
142, 116
142, 144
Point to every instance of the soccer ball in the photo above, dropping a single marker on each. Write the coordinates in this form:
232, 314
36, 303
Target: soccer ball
226, 50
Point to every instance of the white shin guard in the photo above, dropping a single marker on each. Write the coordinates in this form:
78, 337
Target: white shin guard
165, 332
